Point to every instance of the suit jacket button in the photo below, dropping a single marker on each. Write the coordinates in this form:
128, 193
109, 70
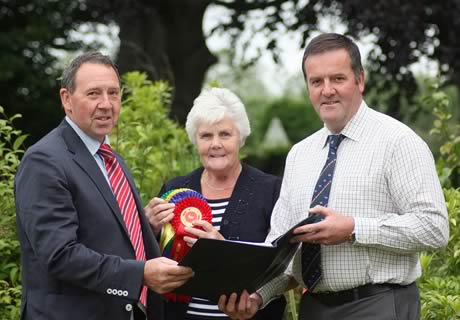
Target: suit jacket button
128, 307
109, 291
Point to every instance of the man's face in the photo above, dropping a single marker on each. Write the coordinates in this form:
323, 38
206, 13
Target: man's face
333, 89
95, 104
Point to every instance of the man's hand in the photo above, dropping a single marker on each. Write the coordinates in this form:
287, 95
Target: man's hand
163, 275
244, 308
159, 212
334, 229
208, 232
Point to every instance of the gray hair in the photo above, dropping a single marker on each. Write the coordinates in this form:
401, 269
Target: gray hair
211, 106
333, 41
68, 75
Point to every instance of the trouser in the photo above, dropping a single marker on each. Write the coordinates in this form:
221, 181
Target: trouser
137, 313
373, 302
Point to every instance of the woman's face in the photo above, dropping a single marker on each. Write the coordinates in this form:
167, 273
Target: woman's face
218, 145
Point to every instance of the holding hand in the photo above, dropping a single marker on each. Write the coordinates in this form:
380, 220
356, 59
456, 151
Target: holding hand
163, 275
159, 212
242, 309
334, 229
208, 232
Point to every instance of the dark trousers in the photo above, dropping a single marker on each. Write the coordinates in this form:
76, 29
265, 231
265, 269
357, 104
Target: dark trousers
396, 303
138, 314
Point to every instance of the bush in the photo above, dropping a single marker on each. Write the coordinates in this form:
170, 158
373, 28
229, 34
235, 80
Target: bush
298, 118
440, 281
11, 142
155, 147
448, 132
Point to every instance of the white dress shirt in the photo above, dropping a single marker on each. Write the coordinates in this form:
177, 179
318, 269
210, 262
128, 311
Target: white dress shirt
385, 178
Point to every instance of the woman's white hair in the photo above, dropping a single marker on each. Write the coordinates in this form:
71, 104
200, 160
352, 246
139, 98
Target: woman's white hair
213, 105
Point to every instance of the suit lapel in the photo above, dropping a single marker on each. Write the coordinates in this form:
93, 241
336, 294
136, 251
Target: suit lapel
87, 163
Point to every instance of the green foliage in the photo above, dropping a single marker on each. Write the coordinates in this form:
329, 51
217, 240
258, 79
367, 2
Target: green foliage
298, 118
297, 115
155, 147
11, 142
33, 32
440, 282
448, 132
440, 298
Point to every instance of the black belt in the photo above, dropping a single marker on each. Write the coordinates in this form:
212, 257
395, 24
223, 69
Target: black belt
345, 296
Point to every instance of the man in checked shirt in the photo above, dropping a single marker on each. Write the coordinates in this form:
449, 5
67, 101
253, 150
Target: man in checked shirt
385, 203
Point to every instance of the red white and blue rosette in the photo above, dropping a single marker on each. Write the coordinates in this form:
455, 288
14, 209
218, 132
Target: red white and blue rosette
190, 206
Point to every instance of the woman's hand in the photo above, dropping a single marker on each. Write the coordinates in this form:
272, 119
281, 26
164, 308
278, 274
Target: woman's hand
244, 307
159, 212
208, 232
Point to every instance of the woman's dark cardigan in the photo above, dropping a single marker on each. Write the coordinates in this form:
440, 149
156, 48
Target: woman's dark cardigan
247, 218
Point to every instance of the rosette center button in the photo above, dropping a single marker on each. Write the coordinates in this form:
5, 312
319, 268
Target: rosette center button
190, 214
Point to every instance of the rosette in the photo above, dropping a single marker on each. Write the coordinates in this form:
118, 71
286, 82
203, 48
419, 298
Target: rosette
190, 206
188, 210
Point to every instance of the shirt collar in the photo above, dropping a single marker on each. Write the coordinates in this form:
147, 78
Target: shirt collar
91, 144
353, 129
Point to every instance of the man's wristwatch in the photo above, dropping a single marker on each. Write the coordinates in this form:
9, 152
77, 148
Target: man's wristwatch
352, 237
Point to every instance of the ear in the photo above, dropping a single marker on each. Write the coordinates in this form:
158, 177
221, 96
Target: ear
65, 100
361, 82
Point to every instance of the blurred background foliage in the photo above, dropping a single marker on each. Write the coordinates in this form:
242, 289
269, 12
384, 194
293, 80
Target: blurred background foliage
166, 40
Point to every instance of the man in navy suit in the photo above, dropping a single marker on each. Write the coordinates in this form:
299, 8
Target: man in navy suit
78, 261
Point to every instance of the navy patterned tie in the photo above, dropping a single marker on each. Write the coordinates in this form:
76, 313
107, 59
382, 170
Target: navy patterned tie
311, 252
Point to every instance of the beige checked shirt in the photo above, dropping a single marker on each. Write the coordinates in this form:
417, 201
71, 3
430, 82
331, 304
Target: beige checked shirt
385, 179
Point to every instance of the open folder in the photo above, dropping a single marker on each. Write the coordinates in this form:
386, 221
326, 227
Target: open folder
224, 267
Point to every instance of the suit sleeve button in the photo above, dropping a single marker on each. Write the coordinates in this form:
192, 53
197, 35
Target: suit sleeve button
125, 293
128, 307
109, 291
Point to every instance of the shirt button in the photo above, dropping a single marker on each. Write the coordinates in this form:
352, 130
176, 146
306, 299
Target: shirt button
109, 291
128, 307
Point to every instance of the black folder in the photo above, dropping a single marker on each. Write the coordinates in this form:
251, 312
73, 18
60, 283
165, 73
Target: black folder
224, 267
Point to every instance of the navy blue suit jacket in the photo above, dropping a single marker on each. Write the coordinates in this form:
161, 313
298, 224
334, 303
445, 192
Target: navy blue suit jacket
247, 218
77, 258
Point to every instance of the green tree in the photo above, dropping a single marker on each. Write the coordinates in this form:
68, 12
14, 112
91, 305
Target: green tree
166, 40
32, 31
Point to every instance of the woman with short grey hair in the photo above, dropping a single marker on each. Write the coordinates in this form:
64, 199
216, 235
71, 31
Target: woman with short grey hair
241, 197
213, 105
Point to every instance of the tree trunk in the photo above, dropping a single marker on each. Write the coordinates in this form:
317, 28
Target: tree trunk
166, 40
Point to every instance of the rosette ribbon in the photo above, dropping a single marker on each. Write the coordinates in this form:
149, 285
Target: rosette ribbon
190, 206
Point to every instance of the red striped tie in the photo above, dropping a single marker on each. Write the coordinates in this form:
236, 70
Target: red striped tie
125, 199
